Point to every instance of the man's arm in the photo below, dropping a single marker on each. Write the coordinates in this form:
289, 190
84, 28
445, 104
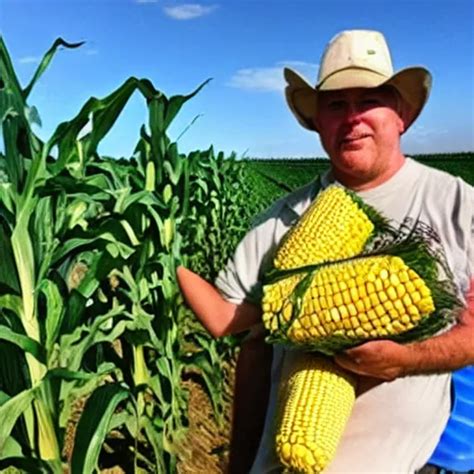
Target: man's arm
219, 317
388, 360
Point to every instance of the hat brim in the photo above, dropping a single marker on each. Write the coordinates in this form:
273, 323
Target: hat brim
413, 84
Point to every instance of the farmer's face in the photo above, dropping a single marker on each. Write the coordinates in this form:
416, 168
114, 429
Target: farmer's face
360, 130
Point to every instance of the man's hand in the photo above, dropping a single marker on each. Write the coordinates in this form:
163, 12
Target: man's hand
382, 359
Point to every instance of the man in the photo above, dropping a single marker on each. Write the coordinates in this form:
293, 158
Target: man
360, 109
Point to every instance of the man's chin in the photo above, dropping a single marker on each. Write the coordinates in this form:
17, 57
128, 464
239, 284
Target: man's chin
354, 170
354, 161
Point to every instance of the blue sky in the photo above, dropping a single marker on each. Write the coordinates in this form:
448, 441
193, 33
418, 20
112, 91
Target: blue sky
243, 45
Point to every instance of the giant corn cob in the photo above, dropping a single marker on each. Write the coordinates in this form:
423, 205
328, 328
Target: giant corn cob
355, 300
324, 294
309, 425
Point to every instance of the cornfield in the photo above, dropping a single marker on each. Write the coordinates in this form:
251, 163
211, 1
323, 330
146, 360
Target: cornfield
93, 330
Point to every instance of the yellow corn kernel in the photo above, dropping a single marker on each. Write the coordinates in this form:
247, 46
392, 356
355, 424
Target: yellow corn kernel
392, 293
374, 299
360, 307
379, 310
378, 283
335, 316
338, 299
426, 305
382, 296
424, 291
367, 327
403, 276
355, 322
322, 302
354, 292
352, 309
360, 332
372, 315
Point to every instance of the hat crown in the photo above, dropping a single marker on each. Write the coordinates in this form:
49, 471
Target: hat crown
356, 49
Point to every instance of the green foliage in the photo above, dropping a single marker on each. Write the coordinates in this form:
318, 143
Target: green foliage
91, 309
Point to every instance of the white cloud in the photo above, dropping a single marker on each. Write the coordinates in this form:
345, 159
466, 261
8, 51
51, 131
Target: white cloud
259, 79
188, 11
30, 60
146, 1
266, 79
91, 52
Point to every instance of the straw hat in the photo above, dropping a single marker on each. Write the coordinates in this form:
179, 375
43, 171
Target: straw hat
357, 58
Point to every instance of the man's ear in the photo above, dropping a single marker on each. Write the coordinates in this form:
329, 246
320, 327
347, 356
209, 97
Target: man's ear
403, 114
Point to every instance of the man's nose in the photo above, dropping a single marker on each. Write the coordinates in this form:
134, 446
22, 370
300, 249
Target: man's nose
352, 112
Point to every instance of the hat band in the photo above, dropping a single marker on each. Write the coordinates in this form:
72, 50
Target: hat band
355, 68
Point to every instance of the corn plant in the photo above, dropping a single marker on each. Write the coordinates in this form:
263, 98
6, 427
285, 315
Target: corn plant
89, 305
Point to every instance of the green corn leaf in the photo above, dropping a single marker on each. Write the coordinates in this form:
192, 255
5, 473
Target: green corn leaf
93, 426
44, 242
7, 72
45, 62
7, 197
55, 311
71, 375
155, 436
105, 328
119, 195
24, 342
11, 410
130, 232
14, 159
11, 448
142, 197
81, 243
13, 303
103, 113
25, 263
157, 112
176, 102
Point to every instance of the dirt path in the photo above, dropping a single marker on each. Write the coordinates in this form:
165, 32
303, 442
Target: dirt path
206, 446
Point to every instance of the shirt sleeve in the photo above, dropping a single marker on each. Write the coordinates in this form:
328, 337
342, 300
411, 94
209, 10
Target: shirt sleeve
241, 278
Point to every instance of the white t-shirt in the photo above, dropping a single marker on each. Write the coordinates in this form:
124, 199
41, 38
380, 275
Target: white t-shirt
395, 426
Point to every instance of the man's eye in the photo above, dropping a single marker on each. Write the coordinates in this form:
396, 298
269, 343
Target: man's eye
335, 105
371, 101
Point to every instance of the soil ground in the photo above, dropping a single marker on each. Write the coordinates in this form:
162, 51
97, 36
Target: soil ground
205, 448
